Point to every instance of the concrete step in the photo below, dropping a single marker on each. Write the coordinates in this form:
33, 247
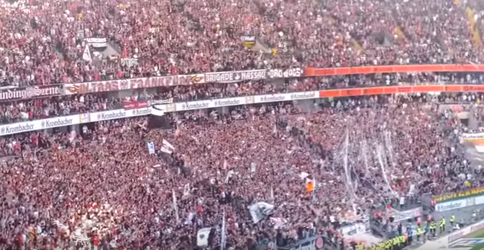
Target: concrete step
261, 46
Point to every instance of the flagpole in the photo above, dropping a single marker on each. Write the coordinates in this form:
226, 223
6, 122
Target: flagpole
175, 206
223, 240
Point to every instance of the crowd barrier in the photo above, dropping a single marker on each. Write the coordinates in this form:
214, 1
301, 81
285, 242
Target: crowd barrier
141, 110
466, 205
458, 200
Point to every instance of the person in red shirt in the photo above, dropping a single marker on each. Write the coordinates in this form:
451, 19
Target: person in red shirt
20, 240
17, 147
35, 139
95, 240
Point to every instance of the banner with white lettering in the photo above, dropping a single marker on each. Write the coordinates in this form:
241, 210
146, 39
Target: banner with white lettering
129, 62
236, 76
164, 101
134, 83
164, 81
97, 42
285, 73
141, 108
129, 105
8, 94
119, 85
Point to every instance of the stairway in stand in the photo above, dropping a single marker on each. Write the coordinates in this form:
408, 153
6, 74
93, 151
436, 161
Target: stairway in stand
400, 36
261, 46
357, 46
476, 36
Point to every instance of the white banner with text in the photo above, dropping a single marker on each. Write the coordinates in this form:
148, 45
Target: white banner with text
27, 126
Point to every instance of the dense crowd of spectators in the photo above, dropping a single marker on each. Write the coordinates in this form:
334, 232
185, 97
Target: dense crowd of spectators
171, 37
101, 187
119, 196
389, 132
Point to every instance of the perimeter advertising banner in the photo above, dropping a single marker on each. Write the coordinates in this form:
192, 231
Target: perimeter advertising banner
10, 94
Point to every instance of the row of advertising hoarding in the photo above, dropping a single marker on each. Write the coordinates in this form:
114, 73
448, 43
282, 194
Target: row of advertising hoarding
12, 93
140, 108
466, 197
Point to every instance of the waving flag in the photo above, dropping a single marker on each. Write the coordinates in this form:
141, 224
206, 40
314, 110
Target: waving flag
86, 56
151, 147
202, 236
167, 147
260, 210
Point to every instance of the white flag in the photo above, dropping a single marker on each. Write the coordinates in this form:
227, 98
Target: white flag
166, 150
202, 236
86, 56
253, 167
260, 210
72, 135
168, 145
303, 175
175, 206
186, 190
157, 111
229, 175
151, 147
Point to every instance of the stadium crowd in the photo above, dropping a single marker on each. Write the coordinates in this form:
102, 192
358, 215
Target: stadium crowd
388, 128
119, 196
177, 37
102, 188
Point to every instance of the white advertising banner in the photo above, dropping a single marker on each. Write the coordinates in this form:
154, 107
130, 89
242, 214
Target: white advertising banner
21, 127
